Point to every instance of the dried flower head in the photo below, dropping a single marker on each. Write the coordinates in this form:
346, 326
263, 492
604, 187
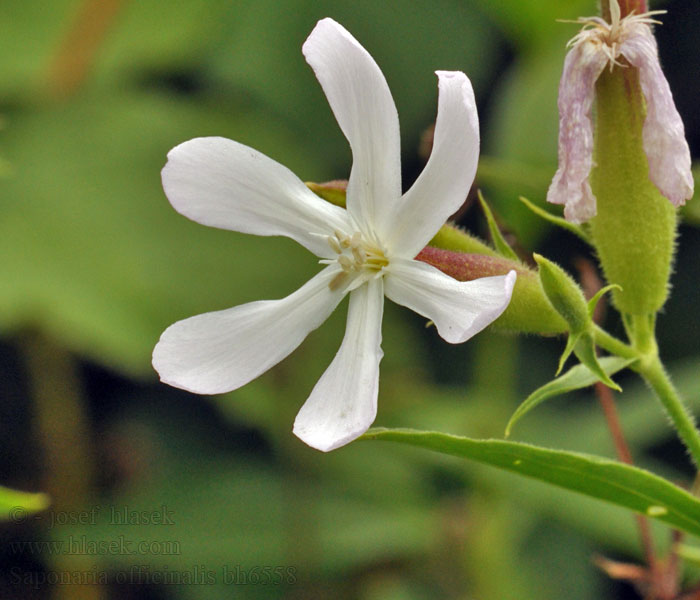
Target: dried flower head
626, 42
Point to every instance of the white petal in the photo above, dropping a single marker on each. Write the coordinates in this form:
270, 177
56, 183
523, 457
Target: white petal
222, 183
459, 309
663, 133
443, 185
583, 65
221, 351
362, 104
343, 404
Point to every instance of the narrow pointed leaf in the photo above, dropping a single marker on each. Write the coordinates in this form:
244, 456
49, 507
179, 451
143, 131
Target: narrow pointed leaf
15, 506
593, 302
559, 221
571, 342
585, 352
600, 478
575, 378
499, 241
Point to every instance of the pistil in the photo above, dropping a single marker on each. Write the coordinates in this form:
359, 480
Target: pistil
611, 35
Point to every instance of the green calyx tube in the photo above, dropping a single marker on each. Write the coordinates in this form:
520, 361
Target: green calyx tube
635, 227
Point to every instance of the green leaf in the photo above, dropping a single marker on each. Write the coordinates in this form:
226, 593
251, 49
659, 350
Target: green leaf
593, 302
498, 240
600, 478
574, 379
585, 352
558, 221
16, 506
571, 342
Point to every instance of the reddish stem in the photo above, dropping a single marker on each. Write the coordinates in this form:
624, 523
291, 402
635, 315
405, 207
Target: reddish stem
77, 51
591, 284
626, 7
607, 403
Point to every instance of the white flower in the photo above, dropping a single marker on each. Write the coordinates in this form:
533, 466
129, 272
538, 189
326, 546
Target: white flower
598, 45
368, 249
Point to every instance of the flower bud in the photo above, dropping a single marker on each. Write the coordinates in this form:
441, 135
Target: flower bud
529, 310
568, 300
564, 294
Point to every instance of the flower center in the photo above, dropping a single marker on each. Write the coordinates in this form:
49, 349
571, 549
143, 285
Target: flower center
609, 36
359, 259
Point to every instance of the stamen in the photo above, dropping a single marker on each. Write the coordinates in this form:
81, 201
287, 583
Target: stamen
359, 255
334, 244
345, 262
357, 258
377, 262
614, 17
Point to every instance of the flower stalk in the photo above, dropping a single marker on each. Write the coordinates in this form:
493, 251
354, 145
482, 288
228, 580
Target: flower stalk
613, 345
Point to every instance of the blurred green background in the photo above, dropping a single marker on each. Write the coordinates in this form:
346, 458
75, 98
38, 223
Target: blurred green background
94, 264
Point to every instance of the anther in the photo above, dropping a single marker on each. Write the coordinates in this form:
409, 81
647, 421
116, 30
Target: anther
335, 245
359, 255
345, 263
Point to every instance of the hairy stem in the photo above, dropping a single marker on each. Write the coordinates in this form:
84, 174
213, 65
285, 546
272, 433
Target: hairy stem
613, 345
653, 372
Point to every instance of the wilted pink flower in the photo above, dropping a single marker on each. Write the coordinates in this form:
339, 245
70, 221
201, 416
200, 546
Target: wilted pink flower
598, 45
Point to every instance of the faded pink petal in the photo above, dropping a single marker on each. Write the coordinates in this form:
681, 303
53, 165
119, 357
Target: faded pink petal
570, 187
663, 133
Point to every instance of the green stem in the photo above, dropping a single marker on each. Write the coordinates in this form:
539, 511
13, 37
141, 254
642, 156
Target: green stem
655, 375
613, 345
640, 328
641, 331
